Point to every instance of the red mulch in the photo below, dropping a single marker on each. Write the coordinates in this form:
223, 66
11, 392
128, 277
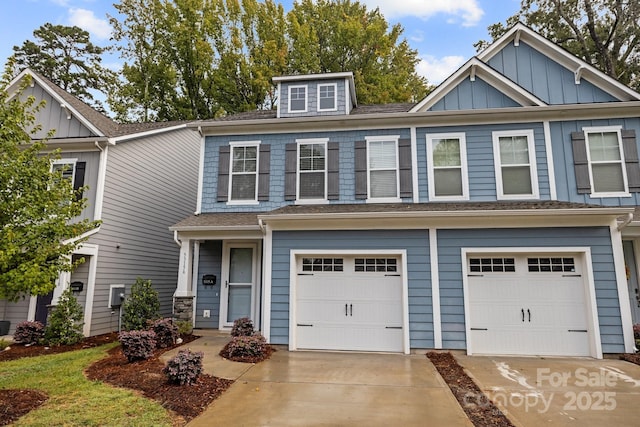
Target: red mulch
633, 358
185, 402
247, 359
16, 403
467, 392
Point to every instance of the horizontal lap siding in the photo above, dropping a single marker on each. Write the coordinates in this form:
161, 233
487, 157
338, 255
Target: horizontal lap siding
450, 243
92, 160
14, 312
415, 242
208, 298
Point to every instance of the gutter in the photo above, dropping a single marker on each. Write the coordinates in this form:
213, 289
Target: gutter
627, 220
175, 238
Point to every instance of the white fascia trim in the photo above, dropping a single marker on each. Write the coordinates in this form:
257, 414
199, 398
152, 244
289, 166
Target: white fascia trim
293, 275
595, 344
435, 288
82, 236
203, 142
489, 75
414, 165
321, 76
623, 290
267, 254
551, 170
147, 133
101, 182
279, 100
564, 58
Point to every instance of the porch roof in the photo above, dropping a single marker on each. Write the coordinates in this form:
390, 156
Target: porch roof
219, 221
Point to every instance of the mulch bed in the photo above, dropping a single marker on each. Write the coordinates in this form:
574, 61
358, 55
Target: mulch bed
633, 358
247, 359
18, 351
16, 403
480, 410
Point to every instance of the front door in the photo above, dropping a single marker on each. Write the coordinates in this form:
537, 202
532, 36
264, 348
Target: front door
238, 282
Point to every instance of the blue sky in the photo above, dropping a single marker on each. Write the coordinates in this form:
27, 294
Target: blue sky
443, 31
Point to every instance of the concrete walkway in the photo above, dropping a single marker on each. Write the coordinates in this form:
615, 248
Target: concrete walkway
535, 391
326, 389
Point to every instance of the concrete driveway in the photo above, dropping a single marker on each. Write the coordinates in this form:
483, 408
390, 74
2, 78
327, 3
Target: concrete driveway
534, 391
327, 389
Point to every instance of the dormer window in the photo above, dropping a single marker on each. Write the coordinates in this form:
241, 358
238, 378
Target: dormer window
327, 97
297, 99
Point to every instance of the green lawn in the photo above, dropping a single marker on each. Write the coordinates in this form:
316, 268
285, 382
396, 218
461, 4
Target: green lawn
74, 400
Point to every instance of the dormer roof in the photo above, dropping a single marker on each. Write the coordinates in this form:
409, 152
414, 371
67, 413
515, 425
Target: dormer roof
322, 76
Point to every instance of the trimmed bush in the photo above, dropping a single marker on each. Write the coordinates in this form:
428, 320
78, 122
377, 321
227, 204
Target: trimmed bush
184, 327
141, 306
185, 368
64, 326
166, 332
247, 346
137, 345
242, 327
28, 332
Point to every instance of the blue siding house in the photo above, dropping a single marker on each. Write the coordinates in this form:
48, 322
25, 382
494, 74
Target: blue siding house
496, 215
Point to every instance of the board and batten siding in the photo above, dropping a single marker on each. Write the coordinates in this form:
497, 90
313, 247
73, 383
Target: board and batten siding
415, 242
451, 269
92, 159
52, 116
545, 78
151, 183
474, 95
209, 262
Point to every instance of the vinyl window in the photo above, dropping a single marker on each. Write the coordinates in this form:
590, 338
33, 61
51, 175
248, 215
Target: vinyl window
447, 167
606, 161
297, 99
515, 164
327, 97
382, 167
312, 170
243, 182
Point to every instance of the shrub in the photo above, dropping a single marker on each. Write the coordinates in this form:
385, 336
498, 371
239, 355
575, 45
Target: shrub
64, 326
247, 347
141, 306
4, 344
636, 331
28, 332
242, 327
166, 332
137, 345
184, 327
185, 368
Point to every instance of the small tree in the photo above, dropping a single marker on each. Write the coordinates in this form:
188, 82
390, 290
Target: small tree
64, 326
141, 306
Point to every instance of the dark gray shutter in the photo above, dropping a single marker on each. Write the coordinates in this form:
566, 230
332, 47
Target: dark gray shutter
223, 173
263, 173
404, 162
631, 159
361, 169
78, 180
580, 162
333, 171
290, 166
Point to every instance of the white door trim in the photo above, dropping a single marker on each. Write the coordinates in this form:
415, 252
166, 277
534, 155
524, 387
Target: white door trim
255, 280
293, 275
595, 345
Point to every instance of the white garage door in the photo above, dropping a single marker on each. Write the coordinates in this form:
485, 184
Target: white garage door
349, 303
528, 305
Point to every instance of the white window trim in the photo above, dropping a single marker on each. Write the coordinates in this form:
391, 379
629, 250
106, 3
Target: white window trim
306, 98
618, 131
71, 162
335, 97
323, 141
461, 137
257, 173
533, 168
380, 138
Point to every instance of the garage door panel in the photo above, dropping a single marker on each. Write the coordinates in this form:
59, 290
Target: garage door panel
337, 337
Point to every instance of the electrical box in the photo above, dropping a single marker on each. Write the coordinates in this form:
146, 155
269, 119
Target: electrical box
116, 296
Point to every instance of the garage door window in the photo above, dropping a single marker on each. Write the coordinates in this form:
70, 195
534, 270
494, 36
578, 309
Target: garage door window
560, 265
388, 265
492, 265
322, 264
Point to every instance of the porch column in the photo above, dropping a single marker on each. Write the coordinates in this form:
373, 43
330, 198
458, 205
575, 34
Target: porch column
183, 296
64, 278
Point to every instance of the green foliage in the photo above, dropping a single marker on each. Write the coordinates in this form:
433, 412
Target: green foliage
64, 326
28, 332
242, 327
184, 327
141, 306
38, 208
137, 345
605, 33
4, 344
184, 368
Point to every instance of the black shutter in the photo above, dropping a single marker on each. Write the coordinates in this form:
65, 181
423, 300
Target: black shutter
290, 166
580, 162
631, 159
78, 181
333, 171
223, 173
404, 162
263, 173
361, 169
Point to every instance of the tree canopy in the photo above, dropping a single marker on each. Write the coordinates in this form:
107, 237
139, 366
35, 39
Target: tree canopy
605, 33
38, 207
66, 56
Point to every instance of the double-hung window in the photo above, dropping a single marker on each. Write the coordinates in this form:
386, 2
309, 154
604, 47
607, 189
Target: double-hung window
382, 168
327, 97
515, 165
67, 167
298, 99
447, 167
243, 182
312, 169
606, 159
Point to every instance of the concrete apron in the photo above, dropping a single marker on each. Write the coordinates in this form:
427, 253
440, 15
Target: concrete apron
558, 391
327, 389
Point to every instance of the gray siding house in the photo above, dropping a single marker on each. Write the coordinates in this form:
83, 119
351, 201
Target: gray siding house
141, 179
494, 216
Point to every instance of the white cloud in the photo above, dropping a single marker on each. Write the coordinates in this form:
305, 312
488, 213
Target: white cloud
468, 11
438, 69
88, 21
